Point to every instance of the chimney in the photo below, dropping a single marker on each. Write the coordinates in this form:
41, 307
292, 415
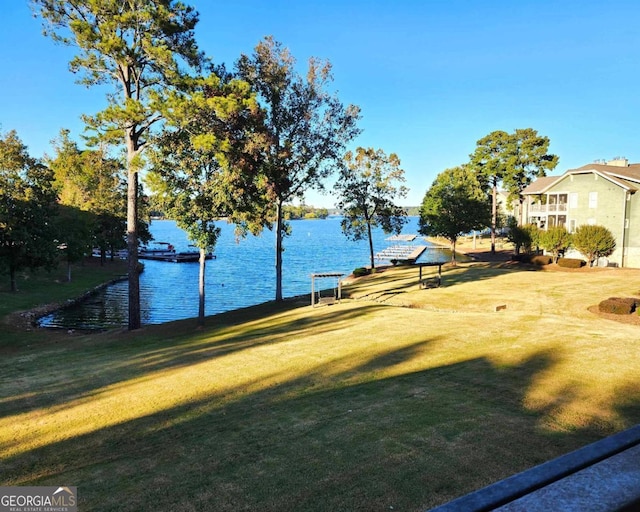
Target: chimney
618, 161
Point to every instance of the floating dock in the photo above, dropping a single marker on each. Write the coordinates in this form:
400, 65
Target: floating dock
401, 252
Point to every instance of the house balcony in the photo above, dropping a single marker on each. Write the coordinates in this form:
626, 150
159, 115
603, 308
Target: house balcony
548, 208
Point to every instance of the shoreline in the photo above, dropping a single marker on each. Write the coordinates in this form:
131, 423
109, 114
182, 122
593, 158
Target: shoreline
28, 319
481, 251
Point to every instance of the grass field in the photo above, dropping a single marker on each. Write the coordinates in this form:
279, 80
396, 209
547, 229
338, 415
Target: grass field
396, 398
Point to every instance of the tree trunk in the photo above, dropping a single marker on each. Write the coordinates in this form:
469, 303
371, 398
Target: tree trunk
373, 265
132, 249
453, 253
520, 212
279, 250
494, 216
201, 295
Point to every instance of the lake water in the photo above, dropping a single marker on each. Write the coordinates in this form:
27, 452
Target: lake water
242, 274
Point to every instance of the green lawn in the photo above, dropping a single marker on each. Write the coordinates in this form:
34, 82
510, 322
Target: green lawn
363, 405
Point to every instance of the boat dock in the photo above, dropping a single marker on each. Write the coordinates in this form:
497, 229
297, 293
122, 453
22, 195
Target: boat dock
175, 257
401, 252
165, 251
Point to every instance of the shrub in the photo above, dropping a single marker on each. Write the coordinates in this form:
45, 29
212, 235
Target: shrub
361, 271
618, 305
541, 260
571, 262
555, 239
593, 241
523, 237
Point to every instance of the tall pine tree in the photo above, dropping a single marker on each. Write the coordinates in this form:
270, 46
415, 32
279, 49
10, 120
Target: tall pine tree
137, 46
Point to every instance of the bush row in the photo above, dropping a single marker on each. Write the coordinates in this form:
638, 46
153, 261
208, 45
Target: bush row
540, 259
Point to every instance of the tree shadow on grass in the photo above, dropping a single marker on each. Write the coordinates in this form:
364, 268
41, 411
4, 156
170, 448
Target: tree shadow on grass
358, 438
110, 358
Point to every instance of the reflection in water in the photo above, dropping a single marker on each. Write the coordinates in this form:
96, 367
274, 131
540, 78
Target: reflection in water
243, 274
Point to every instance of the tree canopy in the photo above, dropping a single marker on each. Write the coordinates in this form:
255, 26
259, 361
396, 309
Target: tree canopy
367, 187
455, 204
91, 181
27, 209
306, 128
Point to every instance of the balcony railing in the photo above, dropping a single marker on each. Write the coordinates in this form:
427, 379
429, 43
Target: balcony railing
542, 208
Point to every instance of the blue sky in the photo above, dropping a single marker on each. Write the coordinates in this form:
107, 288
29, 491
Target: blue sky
431, 77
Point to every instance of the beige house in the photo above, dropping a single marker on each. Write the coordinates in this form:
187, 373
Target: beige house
602, 193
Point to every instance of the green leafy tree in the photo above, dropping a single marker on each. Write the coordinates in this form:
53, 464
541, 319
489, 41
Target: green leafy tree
512, 160
593, 242
91, 181
307, 128
137, 46
528, 159
27, 210
207, 164
368, 186
555, 240
455, 204
524, 237
74, 229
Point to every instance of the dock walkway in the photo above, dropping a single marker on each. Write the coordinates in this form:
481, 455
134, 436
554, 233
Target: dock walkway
401, 252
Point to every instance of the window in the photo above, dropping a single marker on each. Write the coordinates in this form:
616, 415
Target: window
572, 224
591, 221
593, 199
573, 200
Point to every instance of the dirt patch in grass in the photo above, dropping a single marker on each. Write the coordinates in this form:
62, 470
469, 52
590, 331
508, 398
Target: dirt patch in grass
487, 255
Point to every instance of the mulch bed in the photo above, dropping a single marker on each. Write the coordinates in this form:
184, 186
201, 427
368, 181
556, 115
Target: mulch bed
632, 318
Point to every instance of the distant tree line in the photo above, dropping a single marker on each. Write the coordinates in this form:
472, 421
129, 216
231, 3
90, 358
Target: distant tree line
299, 212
